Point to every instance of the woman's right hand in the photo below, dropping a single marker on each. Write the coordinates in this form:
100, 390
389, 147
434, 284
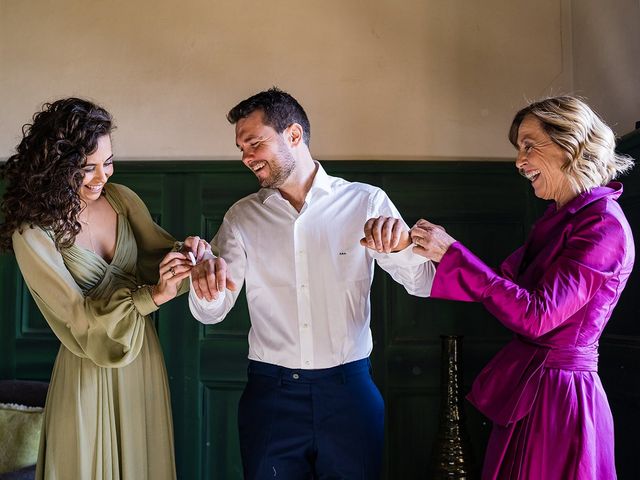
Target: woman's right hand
432, 241
200, 248
174, 268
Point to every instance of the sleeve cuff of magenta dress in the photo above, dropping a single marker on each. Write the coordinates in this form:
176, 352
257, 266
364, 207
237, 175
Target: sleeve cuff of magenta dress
461, 275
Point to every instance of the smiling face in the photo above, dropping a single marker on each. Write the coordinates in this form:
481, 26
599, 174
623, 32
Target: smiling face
540, 160
97, 169
264, 151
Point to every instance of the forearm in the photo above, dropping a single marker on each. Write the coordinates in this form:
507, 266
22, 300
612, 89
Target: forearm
566, 287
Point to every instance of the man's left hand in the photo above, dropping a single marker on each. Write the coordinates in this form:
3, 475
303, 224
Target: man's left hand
385, 235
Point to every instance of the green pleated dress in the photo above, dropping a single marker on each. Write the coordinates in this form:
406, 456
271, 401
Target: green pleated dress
108, 412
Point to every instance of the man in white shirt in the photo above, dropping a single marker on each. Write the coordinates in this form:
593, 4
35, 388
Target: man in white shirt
310, 408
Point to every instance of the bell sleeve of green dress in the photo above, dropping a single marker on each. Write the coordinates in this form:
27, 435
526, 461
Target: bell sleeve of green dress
152, 240
108, 331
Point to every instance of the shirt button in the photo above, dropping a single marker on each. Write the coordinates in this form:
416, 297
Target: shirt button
295, 376
305, 325
307, 362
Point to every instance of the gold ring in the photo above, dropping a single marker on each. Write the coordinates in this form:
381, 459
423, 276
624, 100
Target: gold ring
173, 272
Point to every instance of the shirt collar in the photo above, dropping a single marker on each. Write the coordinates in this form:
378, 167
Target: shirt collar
613, 190
265, 194
321, 183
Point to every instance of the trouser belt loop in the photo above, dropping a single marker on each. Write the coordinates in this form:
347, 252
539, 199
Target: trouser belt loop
280, 375
343, 375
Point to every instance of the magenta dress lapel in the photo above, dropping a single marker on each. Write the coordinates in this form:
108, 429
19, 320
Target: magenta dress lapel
556, 293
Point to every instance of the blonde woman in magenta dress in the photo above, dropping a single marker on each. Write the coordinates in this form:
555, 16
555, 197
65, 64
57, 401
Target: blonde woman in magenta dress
551, 418
96, 265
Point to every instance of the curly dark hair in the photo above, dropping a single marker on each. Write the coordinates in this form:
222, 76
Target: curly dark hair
280, 111
43, 177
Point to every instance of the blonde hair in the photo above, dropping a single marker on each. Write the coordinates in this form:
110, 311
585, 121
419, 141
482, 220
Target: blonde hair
589, 143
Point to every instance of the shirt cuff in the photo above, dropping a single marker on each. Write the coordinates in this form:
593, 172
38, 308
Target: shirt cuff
404, 258
143, 301
203, 303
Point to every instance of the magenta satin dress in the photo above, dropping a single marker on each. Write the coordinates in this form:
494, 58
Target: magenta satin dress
551, 418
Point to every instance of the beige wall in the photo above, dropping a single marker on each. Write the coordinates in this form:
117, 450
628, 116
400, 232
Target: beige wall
391, 79
606, 59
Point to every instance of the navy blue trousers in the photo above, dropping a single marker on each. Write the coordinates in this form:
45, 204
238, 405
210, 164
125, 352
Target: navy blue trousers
311, 424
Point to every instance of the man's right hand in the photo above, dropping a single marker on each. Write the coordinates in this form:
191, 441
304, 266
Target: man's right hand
209, 278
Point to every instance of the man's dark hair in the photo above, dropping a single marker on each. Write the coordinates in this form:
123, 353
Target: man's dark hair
279, 108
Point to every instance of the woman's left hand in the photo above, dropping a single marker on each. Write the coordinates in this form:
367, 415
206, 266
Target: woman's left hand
431, 241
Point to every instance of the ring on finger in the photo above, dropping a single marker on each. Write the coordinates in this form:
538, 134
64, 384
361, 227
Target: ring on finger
173, 272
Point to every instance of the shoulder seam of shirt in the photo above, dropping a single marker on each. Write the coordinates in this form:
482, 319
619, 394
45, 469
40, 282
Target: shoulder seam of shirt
229, 219
252, 197
373, 192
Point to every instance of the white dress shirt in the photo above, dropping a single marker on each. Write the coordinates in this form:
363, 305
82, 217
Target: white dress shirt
307, 276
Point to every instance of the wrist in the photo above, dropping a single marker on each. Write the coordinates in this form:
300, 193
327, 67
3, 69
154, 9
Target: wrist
156, 296
404, 243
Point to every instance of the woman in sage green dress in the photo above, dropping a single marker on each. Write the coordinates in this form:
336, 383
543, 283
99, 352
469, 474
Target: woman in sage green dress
96, 265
